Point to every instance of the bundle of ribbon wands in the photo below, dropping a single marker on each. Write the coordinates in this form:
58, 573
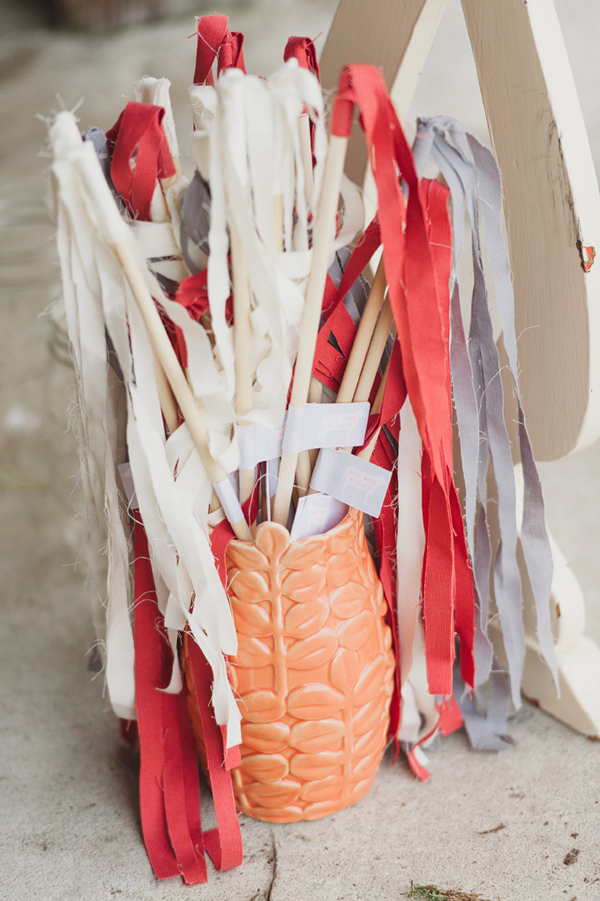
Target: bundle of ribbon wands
235, 367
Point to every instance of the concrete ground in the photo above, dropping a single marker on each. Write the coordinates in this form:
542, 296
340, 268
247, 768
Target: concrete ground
69, 825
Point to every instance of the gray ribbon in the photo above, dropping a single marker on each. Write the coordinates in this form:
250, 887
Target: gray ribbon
474, 181
195, 222
98, 138
486, 723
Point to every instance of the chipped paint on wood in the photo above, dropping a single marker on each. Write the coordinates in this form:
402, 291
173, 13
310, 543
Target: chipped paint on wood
587, 254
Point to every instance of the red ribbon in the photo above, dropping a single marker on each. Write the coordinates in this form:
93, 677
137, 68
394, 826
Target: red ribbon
168, 763
215, 41
435, 199
169, 786
140, 155
331, 357
420, 302
224, 844
359, 258
192, 293
304, 50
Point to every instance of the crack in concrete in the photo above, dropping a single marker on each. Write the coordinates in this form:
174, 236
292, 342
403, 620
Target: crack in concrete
274, 869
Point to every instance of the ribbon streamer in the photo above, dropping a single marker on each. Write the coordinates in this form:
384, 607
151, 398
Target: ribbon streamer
474, 180
174, 510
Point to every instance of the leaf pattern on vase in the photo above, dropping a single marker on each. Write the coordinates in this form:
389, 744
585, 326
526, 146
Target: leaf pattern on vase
313, 673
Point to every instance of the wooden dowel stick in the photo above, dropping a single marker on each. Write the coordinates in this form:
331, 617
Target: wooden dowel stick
354, 366
360, 347
325, 229
167, 400
308, 458
247, 481
372, 361
367, 452
168, 406
304, 469
364, 386
242, 342
115, 232
373, 358
166, 397
173, 371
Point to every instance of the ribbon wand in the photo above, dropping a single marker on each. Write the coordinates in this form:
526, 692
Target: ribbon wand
325, 227
117, 236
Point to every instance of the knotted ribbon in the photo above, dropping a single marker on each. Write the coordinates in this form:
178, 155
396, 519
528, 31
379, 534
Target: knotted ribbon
140, 155
216, 42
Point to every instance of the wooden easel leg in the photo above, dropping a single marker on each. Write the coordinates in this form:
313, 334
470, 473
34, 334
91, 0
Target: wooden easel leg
393, 35
533, 113
578, 701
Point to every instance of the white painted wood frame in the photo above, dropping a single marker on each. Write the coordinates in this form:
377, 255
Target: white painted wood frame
552, 206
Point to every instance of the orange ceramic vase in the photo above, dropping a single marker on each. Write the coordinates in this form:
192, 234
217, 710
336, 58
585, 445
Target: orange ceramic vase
313, 674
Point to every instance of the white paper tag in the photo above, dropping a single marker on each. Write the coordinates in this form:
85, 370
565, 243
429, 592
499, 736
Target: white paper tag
325, 425
351, 480
128, 486
258, 444
315, 514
